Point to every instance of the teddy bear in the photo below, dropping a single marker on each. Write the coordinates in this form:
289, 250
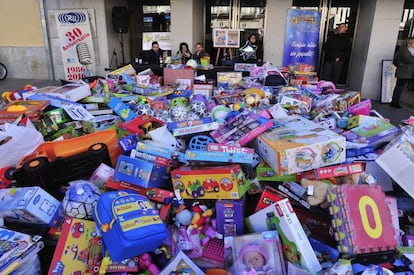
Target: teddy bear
318, 195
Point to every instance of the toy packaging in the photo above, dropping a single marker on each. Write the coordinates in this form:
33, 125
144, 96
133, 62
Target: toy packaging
129, 224
243, 254
230, 217
121, 109
31, 108
192, 126
71, 91
30, 205
280, 216
228, 80
16, 249
345, 100
297, 144
181, 264
352, 208
241, 129
265, 173
215, 182
71, 250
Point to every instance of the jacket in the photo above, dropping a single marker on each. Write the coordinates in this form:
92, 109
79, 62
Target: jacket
153, 58
337, 46
405, 64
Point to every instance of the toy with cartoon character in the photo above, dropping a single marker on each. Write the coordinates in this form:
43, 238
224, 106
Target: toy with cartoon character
255, 258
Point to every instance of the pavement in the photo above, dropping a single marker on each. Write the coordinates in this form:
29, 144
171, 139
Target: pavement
395, 115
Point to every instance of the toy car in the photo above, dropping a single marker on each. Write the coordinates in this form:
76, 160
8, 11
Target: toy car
54, 164
140, 125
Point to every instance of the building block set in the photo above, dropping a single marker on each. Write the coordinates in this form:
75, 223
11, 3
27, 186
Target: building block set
135, 176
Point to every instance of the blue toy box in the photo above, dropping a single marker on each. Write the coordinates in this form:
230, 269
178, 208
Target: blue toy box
129, 224
30, 205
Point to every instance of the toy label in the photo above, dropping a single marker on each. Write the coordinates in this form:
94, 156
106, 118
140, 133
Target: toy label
215, 147
140, 222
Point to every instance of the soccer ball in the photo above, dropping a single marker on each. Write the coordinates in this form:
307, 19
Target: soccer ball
144, 109
192, 63
199, 108
80, 199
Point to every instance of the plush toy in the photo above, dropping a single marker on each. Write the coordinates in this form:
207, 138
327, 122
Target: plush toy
318, 196
145, 264
200, 216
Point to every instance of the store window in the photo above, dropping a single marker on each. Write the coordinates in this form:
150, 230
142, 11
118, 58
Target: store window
157, 18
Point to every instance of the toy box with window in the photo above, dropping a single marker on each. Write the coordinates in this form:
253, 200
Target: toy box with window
241, 129
212, 182
31, 108
280, 216
345, 100
184, 128
30, 205
297, 144
257, 253
228, 80
229, 217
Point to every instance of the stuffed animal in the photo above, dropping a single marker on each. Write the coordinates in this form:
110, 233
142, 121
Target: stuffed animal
318, 196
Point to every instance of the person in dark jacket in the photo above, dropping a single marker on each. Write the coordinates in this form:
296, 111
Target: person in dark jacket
183, 54
153, 55
337, 50
251, 51
199, 52
404, 72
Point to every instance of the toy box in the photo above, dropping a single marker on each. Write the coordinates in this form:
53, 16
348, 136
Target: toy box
218, 182
229, 217
31, 108
203, 89
268, 196
141, 172
171, 75
16, 249
217, 156
121, 109
71, 91
181, 264
160, 151
345, 100
71, 247
258, 253
241, 129
297, 145
374, 133
30, 205
228, 80
265, 173
280, 216
192, 126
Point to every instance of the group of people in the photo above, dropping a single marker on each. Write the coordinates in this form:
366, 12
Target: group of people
155, 55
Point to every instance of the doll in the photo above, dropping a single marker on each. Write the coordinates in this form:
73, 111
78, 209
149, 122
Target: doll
255, 258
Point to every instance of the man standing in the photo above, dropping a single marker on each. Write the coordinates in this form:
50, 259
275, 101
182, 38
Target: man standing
337, 50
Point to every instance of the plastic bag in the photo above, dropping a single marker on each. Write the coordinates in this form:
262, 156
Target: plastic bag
17, 142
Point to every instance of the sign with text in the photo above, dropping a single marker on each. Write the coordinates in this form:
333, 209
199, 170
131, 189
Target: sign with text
226, 38
76, 44
163, 39
302, 38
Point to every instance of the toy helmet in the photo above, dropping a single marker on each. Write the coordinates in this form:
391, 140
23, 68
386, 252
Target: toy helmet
253, 247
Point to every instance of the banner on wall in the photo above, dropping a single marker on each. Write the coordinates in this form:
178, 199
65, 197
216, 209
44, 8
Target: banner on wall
163, 39
76, 44
302, 38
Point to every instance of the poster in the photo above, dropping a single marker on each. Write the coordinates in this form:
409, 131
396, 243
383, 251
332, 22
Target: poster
388, 81
76, 44
302, 38
226, 38
163, 39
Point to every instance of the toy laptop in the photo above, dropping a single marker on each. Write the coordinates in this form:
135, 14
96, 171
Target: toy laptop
129, 224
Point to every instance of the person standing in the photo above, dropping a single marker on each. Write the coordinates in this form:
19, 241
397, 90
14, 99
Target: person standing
337, 50
405, 70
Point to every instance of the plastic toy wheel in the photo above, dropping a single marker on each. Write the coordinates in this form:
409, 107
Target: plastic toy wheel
8, 174
36, 166
3, 71
97, 148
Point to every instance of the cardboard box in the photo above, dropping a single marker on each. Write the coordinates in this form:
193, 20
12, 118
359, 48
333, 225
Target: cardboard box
281, 217
345, 100
30, 205
212, 182
299, 145
229, 217
146, 173
171, 75
228, 80
265, 173
71, 91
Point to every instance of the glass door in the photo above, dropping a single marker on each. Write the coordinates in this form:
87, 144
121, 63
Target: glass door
246, 15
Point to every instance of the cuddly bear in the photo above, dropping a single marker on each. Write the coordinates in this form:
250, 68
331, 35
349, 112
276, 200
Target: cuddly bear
320, 189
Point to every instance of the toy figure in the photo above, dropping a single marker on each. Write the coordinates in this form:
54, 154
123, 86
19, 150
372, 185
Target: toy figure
255, 258
145, 264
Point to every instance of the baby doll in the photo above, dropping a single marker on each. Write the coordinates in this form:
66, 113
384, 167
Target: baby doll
255, 258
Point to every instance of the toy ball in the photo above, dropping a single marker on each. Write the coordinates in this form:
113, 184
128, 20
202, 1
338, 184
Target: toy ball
144, 109
199, 108
192, 63
252, 100
80, 199
193, 116
178, 113
220, 112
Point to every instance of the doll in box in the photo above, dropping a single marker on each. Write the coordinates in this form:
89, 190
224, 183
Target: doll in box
255, 258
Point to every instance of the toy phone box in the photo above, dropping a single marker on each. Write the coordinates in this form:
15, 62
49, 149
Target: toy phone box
72, 246
30, 205
129, 224
280, 216
266, 245
230, 217
241, 129
17, 247
140, 172
218, 182
33, 109
171, 75
298, 144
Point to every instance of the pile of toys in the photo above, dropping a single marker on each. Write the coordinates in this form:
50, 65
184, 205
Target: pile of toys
271, 173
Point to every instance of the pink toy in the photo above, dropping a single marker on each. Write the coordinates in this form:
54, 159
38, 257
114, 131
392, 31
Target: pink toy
255, 258
145, 263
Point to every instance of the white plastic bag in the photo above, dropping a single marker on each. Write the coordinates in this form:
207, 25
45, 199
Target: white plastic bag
17, 142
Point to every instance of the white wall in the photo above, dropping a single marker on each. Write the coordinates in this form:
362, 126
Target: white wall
274, 34
182, 21
198, 23
375, 39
